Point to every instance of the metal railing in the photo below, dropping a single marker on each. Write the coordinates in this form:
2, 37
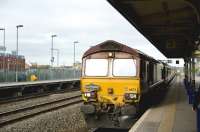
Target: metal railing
41, 74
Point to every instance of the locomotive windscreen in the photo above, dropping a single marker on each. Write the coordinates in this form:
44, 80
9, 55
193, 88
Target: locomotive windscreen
124, 67
116, 67
96, 67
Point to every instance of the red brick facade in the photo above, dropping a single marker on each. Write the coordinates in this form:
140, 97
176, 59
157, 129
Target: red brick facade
9, 62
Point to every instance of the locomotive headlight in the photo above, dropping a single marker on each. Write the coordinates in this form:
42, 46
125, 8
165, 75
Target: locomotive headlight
110, 54
130, 96
90, 94
87, 94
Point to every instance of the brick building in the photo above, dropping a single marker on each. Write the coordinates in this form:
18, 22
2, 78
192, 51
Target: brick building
9, 62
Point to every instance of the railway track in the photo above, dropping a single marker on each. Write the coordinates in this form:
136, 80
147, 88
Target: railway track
19, 114
31, 96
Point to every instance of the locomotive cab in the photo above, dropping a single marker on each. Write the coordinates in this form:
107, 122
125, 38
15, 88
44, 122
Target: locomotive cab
110, 82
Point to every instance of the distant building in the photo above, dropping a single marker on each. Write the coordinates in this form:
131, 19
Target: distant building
9, 61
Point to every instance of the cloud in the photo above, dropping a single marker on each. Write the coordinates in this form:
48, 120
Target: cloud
89, 21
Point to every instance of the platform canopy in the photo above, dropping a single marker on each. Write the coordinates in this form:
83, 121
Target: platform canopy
173, 26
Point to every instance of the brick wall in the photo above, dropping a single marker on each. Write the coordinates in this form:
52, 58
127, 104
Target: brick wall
10, 61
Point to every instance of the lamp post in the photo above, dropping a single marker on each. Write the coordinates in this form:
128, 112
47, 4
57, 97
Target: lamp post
17, 48
58, 53
75, 42
52, 58
4, 50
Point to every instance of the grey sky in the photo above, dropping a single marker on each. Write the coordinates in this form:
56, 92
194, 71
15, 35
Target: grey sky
88, 21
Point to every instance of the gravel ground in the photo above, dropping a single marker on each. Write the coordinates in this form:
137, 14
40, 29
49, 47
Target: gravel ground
33, 101
67, 119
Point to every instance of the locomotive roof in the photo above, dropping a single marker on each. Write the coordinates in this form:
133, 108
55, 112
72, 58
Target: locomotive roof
111, 45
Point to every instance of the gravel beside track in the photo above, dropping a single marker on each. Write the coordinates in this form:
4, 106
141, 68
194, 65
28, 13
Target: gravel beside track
29, 102
34, 95
68, 119
15, 115
64, 119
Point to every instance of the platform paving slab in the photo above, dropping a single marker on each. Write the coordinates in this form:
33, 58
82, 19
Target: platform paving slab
174, 114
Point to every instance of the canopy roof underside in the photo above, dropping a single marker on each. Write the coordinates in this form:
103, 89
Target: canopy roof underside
173, 26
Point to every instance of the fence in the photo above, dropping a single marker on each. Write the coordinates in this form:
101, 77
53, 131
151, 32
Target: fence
41, 74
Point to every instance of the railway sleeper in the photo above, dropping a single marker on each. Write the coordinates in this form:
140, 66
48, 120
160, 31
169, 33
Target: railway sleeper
40, 90
17, 94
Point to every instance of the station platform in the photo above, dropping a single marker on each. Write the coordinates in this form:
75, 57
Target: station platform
174, 114
12, 84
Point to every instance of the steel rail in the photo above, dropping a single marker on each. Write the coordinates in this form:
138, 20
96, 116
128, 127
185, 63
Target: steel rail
12, 116
34, 95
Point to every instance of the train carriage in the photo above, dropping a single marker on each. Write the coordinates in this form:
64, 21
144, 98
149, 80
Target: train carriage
117, 78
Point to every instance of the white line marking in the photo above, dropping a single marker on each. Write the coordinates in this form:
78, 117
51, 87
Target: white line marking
139, 122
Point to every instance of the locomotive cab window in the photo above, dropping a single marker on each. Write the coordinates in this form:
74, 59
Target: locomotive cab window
96, 67
124, 67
